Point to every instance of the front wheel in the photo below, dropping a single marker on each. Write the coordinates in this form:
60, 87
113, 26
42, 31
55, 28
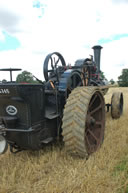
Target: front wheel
117, 105
84, 121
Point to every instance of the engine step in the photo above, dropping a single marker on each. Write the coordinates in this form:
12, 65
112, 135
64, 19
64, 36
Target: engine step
49, 139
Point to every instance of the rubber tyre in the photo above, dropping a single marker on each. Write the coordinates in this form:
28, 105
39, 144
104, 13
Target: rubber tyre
116, 105
74, 121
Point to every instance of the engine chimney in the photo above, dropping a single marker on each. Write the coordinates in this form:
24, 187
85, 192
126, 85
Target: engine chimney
97, 51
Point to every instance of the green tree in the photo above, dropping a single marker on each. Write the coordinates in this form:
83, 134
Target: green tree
4, 81
112, 81
25, 77
102, 75
123, 78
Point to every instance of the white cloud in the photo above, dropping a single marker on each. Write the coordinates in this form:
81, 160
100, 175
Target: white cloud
114, 58
21, 59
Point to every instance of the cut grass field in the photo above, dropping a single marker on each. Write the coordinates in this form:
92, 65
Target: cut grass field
52, 170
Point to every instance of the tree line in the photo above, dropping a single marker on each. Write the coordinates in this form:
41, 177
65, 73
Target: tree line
123, 78
27, 77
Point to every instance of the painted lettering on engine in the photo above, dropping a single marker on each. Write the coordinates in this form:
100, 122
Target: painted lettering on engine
4, 91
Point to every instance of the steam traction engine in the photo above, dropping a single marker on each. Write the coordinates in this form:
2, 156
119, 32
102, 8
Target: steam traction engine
69, 104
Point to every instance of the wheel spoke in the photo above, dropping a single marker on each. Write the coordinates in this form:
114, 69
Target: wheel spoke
88, 141
96, 109
92, 134
50, 70
52, 63
57, 61
92, 101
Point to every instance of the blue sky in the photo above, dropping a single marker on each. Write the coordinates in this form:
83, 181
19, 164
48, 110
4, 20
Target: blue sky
12, 43
9, 42
29, 30
112, 38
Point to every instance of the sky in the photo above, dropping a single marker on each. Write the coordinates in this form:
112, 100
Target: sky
30, 30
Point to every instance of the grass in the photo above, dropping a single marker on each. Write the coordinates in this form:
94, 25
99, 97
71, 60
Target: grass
121, 171
52, 170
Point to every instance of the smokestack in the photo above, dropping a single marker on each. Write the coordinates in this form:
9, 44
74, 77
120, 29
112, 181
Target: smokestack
97, 51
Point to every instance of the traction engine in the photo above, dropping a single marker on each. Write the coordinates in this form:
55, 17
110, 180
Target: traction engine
69, 105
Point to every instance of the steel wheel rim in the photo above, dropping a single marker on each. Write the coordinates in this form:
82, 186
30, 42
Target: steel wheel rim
95, 122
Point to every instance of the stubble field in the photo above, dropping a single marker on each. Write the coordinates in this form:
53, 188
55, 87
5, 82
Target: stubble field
53, 171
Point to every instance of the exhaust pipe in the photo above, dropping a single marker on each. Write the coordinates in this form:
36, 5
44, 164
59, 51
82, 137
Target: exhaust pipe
97, 51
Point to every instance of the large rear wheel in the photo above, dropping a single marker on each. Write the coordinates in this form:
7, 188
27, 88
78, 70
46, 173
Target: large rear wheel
84, 121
